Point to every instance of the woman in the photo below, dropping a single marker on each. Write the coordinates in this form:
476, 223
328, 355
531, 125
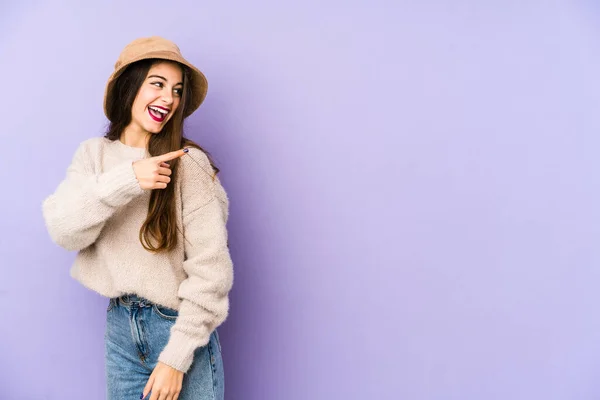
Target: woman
147, 214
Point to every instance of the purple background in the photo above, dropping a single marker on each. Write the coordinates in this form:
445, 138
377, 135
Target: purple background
415, 197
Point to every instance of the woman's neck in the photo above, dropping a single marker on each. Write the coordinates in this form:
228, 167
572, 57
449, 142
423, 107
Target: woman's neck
135, 137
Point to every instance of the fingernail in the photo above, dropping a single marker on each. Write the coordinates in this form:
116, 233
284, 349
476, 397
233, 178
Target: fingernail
141, 396
186, 150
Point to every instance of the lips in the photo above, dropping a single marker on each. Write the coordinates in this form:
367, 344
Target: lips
158, 113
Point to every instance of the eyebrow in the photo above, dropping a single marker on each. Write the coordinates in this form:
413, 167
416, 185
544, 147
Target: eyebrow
164, 79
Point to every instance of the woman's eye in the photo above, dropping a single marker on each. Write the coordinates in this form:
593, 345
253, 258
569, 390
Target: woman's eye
157, 84
179, 91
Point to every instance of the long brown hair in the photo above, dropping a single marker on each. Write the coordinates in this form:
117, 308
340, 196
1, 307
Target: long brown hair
159, 230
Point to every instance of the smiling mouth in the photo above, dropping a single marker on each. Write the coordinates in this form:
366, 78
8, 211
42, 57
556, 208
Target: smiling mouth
157, 113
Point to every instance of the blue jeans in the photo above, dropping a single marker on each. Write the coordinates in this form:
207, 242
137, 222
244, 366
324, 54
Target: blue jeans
136, 333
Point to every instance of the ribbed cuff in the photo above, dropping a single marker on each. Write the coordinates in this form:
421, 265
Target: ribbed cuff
118, 186
179, 351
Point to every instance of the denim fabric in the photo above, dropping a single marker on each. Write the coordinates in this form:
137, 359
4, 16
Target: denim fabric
136, 333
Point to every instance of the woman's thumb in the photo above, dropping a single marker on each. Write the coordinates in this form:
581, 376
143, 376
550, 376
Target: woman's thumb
148, 387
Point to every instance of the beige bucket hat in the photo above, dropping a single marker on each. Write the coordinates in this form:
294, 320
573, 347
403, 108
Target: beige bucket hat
156, 47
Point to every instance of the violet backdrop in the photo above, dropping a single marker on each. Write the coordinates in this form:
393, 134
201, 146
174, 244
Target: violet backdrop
414, 188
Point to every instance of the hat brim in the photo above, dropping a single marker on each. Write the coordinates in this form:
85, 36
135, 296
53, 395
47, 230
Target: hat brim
198, 81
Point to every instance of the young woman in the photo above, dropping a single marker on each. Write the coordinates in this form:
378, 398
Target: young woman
145, 211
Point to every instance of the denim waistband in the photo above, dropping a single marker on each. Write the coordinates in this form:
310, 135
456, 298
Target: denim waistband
133, 299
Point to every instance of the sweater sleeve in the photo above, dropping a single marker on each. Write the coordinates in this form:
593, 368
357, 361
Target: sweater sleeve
204, 293
78, 209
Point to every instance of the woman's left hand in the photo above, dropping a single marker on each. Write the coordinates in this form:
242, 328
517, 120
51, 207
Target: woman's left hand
165, 383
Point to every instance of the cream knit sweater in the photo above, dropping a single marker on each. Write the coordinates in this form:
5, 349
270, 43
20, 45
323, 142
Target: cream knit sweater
98, 210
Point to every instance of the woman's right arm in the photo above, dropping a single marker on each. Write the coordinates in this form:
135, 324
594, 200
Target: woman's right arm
76, 212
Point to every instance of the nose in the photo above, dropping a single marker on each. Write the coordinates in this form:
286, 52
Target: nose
167, 97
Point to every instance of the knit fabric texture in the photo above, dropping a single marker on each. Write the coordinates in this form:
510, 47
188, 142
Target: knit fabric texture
98, 210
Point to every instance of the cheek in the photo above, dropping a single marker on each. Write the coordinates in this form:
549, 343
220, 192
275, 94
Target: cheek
138, 104
176, 102
138, 110
144, 98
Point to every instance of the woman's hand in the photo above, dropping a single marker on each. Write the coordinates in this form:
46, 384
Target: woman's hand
164, 382
154, 172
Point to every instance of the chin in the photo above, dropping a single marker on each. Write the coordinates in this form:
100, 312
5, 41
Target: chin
151, 127
154, 130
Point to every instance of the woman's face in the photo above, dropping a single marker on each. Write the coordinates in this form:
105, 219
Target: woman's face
158, 97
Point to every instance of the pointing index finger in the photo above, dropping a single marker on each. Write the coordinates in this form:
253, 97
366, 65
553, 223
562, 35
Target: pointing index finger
171, 155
